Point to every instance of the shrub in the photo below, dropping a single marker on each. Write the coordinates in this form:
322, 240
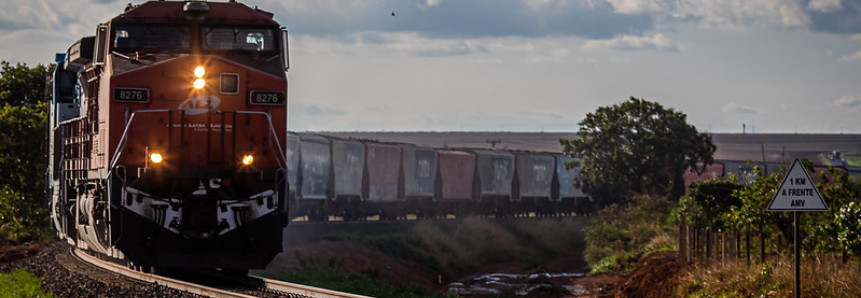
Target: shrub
619, 232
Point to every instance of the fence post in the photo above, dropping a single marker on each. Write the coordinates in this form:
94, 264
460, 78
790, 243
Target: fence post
747, 246
682, 241
722, 248
697, 247
708, 246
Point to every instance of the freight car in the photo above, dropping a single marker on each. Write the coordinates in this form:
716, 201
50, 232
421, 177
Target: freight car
355, 179
166, 131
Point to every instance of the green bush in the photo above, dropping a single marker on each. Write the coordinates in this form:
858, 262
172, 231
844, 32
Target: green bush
619, 233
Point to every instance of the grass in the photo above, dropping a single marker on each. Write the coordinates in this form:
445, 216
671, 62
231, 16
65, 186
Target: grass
823, 278
620, 234
20, 283
365, 282
853, 159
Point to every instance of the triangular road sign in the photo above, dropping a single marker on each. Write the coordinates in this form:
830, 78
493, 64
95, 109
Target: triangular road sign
797, 192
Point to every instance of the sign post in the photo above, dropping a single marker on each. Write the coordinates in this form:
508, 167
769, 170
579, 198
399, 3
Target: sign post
797, 193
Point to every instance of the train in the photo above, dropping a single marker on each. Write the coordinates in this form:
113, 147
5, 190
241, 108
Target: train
355, 179
167, 132
336, 177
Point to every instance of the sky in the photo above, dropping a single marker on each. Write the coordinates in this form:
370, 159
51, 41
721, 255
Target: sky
765, 66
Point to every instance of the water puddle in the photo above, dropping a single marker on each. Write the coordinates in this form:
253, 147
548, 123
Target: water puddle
517, 284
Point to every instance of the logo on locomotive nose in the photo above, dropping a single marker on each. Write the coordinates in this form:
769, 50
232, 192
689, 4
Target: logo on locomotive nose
199, 104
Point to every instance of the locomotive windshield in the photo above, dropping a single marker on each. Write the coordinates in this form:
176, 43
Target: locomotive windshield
242, 39
149, 38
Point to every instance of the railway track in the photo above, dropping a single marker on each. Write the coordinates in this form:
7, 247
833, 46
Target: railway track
236, 287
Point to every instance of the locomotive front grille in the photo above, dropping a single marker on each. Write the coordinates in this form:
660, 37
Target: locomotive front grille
200, 217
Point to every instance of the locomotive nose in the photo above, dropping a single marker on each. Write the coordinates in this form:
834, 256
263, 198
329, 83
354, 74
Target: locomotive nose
200, 218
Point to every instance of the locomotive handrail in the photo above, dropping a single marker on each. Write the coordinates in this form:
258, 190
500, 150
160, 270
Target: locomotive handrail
115, 158
279, 156
69, 121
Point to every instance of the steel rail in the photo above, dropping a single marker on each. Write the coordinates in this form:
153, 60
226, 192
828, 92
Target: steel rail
282, 286
275, 286
152, 278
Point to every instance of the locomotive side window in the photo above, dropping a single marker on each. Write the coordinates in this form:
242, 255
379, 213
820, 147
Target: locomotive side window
255, 40
66, 86
130, 38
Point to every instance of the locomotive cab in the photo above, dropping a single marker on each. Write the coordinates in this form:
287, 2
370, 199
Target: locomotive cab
177, 155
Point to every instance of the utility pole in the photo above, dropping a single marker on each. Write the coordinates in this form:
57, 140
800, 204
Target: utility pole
493, 143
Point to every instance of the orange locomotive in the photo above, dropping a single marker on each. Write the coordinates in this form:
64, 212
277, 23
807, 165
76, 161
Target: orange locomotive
168, 132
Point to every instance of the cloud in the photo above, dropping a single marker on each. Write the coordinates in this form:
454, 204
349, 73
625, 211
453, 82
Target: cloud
460, 19
848, 102
376, 38
719, 14
832, 16
642, 6
793, 15
851, 57
314, 110
633, 43
449, 49
825, 5
844, 21
740, 109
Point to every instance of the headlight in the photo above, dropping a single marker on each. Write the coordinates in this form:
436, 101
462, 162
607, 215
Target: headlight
156, 158
199, 71
247, 159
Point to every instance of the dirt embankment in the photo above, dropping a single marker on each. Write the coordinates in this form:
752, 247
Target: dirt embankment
656, 276
9, 254
440, 255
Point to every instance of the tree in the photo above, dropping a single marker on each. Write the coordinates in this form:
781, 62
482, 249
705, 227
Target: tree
21, 85
841, 222
22, 152
634, 147
849, 227
708, 204
753, 215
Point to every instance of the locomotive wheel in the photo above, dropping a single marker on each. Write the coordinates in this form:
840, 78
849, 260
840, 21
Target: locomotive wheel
235, 272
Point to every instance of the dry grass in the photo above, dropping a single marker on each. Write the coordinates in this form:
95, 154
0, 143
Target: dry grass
662, 241
828, 278
473, 242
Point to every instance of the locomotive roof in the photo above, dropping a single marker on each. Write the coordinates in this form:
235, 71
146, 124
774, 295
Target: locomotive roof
225, 13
